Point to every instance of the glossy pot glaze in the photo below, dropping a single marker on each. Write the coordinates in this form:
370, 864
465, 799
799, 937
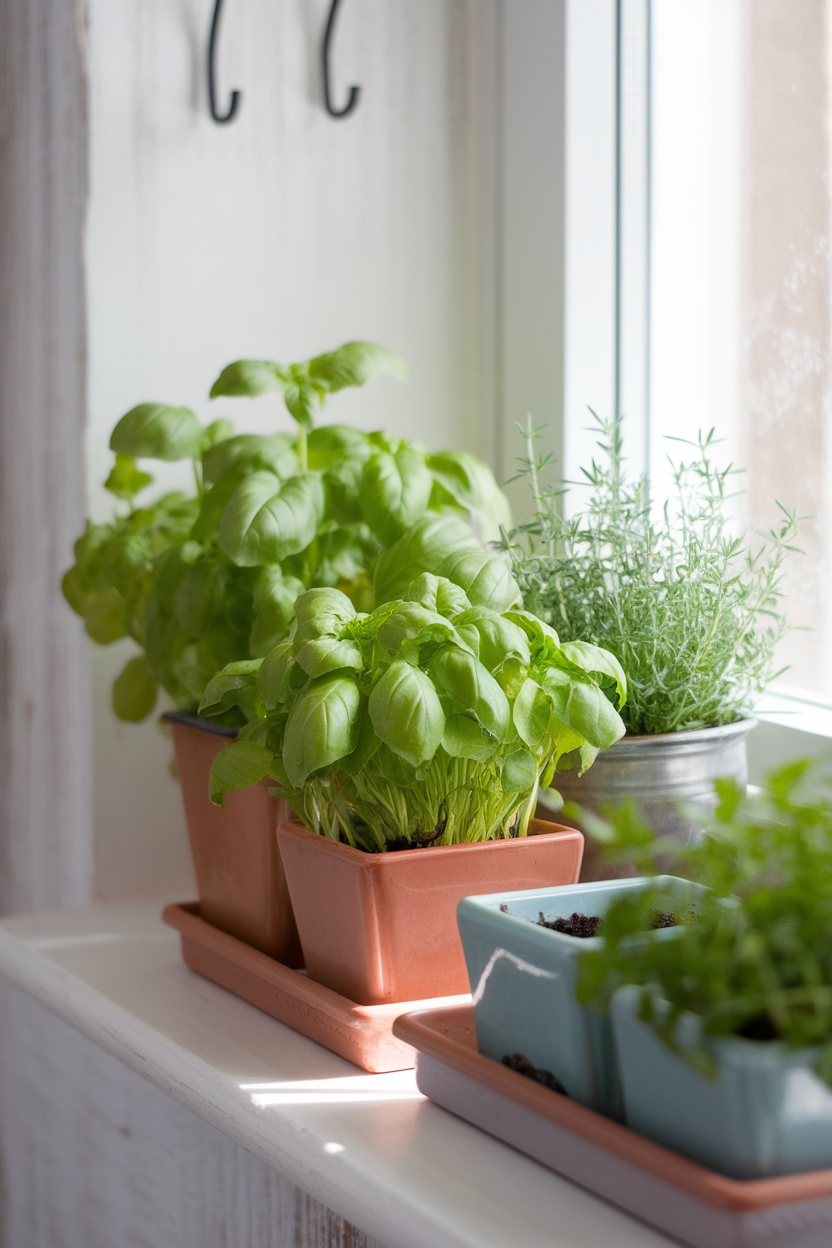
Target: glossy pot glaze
764, 1113
523, 978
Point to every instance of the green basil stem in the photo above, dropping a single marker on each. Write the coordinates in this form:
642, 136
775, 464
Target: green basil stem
303, 456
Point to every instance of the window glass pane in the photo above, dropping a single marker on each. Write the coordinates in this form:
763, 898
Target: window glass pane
741, 232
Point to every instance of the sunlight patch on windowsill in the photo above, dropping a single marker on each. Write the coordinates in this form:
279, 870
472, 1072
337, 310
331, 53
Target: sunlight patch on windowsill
351, 1090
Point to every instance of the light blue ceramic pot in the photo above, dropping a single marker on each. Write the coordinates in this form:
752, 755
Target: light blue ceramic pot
523, 979
765, 1113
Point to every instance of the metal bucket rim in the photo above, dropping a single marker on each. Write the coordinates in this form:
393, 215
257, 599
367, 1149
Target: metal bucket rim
686, 735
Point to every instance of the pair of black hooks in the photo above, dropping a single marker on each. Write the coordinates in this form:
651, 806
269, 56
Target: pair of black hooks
352, 98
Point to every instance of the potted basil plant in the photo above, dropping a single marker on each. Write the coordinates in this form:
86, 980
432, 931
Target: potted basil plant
199, 578
412, 742
724, 1033
692, 611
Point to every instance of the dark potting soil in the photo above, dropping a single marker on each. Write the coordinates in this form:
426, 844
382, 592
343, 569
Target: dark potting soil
425, 840
581, 925
516, 1061
585, 926
759, 1028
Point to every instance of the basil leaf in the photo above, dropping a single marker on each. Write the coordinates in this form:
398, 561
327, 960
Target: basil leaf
410, 621
303, 400
218, 431
394, 492
343, 489
344, 554
406, 713
336, 446
213, 504
421, 548
600, 664
235, 685
354, 364
125, 479
273, 679
240, 765
531, 713
328, 654
250, 452
499, 638
249, 377
102, 610
485, 577
199, 597
536, 630
519, 772
394, 768
470, 484
585, 708
155, 431
321, 612
438, 594
465, 737
267, 519
366, 747
472, 688
125, 554
134, 691
322, 726
272, 607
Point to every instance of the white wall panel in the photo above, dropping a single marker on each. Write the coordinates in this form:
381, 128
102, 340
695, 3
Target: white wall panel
278, 235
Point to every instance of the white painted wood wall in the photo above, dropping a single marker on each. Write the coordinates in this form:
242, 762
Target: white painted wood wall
278, 235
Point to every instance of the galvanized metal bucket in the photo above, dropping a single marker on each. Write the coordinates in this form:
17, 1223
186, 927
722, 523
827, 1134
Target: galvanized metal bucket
657, 771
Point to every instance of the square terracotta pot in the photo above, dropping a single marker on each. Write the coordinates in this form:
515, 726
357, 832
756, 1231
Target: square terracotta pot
379, 928
240, 879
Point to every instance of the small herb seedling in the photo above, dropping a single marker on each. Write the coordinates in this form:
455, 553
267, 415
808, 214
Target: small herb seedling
757, 961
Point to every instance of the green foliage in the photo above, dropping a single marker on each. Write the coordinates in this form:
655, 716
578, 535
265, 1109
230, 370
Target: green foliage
432, 720
760, 950
134, 691
200, 582
693, 614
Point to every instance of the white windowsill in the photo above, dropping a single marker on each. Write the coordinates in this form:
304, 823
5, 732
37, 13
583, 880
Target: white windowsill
368, 1146
799, 713
789, 727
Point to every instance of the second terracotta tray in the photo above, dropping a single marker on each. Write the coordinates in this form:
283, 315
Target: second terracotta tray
363, 1034
695, 1205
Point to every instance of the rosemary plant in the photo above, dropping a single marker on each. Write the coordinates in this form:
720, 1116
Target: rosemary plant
692, 612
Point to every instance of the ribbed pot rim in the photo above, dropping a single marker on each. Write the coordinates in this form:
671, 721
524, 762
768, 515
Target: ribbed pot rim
687, 736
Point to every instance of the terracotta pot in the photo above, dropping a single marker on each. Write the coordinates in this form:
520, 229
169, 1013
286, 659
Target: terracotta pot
379, 928
240, 879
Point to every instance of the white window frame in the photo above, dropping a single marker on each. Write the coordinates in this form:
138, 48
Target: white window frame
570, 307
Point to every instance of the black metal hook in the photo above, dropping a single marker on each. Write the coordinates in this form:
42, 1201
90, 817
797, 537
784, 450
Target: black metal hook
352, 98
212, 98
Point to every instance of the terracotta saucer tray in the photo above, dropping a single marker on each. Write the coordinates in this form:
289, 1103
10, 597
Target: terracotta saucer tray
696, 1206
361, 1033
